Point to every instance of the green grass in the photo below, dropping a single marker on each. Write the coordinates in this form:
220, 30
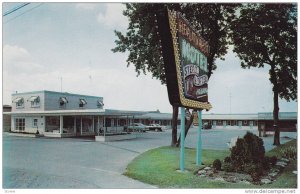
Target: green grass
160, 167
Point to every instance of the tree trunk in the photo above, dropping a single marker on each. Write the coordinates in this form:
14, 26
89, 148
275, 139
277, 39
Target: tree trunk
276, 118
188, 125
276, 106
174, 126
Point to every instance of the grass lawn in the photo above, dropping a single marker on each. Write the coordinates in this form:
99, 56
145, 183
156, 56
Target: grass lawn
159, 167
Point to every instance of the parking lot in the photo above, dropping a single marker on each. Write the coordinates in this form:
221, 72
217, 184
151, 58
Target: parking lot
84, 163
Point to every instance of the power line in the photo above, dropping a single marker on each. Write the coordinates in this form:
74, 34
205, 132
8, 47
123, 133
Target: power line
15, 9
24, 13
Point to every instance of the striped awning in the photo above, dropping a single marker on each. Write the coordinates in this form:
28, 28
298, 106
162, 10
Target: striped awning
82, 101
18, 99
100, 102
63, 100
33, 98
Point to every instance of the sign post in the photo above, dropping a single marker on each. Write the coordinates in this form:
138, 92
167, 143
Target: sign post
199, 140
182, 124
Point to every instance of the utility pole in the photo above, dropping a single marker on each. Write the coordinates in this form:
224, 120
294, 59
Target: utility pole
60, 84
230, 101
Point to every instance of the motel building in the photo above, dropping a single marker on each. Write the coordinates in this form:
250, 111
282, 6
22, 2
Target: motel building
61, 114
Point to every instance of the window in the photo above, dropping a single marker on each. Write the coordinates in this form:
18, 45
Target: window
19, 102
35, 122
107, 122
82, 102
62, 102
255, 123
228, 122
20, 124
233, 123
35, 101
100, 103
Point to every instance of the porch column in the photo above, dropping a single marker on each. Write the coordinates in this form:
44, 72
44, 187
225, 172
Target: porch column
104, 126
112, 123
93, 125
74, 125
61, 122
80, 125
98, 125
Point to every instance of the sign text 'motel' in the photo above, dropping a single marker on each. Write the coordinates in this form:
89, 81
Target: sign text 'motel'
185, 60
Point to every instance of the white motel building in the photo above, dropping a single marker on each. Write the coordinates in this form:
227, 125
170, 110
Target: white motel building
61, 114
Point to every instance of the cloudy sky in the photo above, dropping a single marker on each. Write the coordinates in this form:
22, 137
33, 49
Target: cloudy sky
44, 42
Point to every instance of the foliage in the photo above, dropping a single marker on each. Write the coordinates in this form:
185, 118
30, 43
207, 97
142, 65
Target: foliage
217, 164
273, 160
248, 155
141, 40
255, 171
228, 167
249, 149
289, 152
159, 167
267, 34
227, 159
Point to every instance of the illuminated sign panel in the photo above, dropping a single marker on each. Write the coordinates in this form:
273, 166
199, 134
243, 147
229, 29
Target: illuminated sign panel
185, 60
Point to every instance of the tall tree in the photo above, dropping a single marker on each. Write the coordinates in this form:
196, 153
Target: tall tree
266, 34
142, 40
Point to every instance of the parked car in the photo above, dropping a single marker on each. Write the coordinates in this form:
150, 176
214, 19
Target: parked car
206, 126
135, 127
154, 127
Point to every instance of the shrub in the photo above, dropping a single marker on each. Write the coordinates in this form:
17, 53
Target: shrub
255, 171
227, 159
228, 167
248, 155
217, 164
289, 152
273, 160
266, 163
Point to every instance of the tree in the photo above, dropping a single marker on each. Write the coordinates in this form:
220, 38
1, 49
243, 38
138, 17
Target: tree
142, 40
266, 34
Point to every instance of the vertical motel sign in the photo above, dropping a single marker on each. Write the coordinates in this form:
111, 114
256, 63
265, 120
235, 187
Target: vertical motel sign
185, 60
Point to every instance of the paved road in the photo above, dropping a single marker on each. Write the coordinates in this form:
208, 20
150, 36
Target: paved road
84, 163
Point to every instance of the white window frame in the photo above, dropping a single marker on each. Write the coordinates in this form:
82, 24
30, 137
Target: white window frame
20, 124
35, 122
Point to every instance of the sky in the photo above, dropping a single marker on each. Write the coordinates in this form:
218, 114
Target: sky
67, 47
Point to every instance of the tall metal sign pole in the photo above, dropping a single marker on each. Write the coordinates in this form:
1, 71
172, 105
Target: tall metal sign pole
182, 134
185, 55
199, 140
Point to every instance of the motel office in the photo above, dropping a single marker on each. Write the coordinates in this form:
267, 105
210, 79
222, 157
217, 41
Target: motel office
60, 114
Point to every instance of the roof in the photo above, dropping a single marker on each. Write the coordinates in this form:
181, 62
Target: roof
106, 112
59, 112
282, 116
54, 92
114, 112
157, 116
230, 116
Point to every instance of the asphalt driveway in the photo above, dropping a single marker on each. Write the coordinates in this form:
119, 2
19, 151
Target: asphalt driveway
84, 163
